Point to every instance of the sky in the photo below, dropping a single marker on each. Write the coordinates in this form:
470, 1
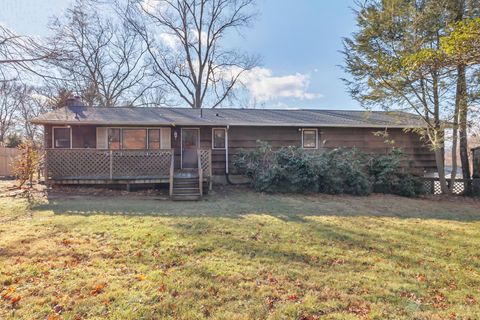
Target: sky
298, 42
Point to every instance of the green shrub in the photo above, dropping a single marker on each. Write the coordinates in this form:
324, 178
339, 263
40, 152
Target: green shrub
342, 171
387, 176
286, 170
292, 169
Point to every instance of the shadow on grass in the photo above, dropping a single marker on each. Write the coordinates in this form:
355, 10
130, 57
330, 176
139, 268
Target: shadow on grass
237, 202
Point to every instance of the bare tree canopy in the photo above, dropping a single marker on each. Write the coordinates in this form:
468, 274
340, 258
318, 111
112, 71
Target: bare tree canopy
10, 101
19, 54
185, 40
100, 58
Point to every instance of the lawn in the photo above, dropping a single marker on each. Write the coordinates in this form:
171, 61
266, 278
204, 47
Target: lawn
238, 255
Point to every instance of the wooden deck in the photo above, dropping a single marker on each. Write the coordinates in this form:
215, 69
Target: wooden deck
108, 167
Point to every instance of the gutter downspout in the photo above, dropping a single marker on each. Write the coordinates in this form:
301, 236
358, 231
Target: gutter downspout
227, 176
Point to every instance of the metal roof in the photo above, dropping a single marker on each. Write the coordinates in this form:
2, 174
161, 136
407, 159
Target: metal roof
77, 115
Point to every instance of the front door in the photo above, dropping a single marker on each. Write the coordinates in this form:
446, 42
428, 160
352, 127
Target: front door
190, 145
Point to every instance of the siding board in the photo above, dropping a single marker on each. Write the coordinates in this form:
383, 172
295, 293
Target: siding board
419, 156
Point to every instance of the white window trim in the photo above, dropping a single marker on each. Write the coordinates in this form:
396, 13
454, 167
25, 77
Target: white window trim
213, 141
53, 136
181, 142
316, 138
135, 128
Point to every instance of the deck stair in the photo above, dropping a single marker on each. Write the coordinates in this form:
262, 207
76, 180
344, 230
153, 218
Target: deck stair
186, 186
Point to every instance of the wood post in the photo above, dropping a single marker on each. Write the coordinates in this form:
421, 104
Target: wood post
210, 169
111, 164
200, 172
172, 169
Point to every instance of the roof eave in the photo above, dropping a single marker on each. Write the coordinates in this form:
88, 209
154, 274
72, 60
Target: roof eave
156, 123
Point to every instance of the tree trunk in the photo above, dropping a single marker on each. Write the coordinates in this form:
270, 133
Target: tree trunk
463, 122
439, 136
453, 176
458, 103
461, 101
439, 158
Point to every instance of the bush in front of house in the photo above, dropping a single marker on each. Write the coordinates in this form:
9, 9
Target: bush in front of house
387, 176
349, 171
286, 170
342, 171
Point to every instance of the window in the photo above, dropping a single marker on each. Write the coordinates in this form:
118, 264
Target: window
114, 138
134, 139
153, 138
62, 138
309, 138
218, 137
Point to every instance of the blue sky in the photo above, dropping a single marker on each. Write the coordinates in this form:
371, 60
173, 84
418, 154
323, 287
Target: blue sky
298, 41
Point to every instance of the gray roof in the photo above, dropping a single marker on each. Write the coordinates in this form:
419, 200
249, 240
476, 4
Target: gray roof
231, 117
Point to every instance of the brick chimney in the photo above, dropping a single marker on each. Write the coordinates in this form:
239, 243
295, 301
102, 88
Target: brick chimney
75, 102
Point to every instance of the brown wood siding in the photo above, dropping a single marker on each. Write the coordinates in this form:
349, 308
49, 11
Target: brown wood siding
418, 156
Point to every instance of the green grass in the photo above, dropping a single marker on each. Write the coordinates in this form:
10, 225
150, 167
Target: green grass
240, 255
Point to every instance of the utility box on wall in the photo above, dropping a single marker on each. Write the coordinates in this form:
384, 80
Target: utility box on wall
476, 171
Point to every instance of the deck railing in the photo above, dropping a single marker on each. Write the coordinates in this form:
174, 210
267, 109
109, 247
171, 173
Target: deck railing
432, 185
205, 164
107, 164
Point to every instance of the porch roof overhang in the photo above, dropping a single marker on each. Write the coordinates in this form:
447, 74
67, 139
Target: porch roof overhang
121, 116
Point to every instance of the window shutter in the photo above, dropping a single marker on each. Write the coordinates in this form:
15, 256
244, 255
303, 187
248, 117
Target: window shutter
165, 137
102, 138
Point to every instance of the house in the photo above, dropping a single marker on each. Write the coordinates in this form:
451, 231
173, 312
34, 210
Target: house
127, 145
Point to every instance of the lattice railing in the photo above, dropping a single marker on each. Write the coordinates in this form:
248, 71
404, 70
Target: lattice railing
107, 164
205, 157
76, 163
133, 164
432, 185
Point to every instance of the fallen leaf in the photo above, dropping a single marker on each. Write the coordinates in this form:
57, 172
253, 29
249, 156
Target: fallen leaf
15, 300
470, 300
360, 309
421, 277
271, 302
7, 295
292, 297
97, 289
58, 309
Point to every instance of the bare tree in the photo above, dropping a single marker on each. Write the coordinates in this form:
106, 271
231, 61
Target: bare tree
100, 58
10, 99
20, 53
185, 42
34, 102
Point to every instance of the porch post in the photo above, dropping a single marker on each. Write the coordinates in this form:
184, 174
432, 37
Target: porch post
111, 164
172, 166
45, 166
